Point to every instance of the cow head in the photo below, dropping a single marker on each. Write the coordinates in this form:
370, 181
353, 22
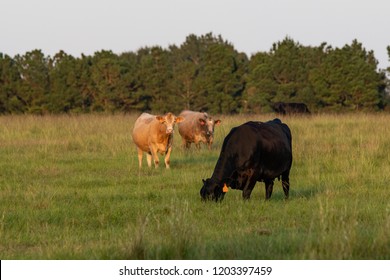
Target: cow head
208, 125
212, 190
169, 121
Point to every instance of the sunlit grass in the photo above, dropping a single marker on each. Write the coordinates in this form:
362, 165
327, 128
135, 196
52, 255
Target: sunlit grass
70, 188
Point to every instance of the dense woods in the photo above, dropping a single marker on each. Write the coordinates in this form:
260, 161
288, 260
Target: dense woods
203, 73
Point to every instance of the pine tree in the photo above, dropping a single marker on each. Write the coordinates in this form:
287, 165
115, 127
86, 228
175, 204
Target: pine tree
105, 78
10, 101
34, 85
129, 97
281, 75
155, 73
186, 62
64, 92
347, 79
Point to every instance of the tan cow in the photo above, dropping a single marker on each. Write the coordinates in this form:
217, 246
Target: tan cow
197, 127
154, 134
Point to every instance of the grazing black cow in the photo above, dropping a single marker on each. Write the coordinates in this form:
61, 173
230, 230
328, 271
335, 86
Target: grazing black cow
290, 108
252, 152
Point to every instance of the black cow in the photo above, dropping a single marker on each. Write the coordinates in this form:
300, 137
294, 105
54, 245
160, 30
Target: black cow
290, 108
252, 152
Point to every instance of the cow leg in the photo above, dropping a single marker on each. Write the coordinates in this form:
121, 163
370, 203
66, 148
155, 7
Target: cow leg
209, 143
140, 152
167, 157
153, 151
149, 159
185, 143
286, 183
269, 185
248, 188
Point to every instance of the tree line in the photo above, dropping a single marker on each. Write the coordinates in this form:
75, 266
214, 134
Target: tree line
204, 73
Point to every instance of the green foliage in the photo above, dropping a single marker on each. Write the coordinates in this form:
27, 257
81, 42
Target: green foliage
156, 74
64, 94
208, 74
204, 73
10, 101
33, 86
221, 79
348, 80
326, 79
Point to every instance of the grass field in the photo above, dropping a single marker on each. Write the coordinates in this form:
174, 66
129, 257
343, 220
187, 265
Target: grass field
70, 188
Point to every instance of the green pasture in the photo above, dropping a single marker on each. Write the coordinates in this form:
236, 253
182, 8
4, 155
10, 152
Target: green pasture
70, 188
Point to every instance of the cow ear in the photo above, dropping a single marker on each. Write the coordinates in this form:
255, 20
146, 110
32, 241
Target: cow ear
202, 121
179, 119
217, 122
160, 119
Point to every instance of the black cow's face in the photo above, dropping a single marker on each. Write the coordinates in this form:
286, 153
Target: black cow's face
211, 190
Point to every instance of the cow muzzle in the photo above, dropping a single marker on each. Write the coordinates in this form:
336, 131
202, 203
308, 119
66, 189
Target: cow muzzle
213, 196
169, 130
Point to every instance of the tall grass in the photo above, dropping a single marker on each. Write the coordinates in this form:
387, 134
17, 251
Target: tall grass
70, 188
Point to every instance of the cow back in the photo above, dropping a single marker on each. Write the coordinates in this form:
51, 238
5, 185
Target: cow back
190, 127
264, 147
290, 108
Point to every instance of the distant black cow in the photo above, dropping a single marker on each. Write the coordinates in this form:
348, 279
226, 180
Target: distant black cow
290, 108
252, 152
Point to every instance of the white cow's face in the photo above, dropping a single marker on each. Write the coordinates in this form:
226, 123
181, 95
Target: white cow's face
209, 125
169, 121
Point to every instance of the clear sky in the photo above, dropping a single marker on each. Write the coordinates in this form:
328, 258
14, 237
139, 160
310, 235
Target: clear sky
86, 26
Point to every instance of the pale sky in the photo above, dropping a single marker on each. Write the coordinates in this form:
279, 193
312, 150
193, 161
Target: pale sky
87, 26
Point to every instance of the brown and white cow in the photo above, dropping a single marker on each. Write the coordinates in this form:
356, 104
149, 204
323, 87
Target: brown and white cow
154, 134
197, 127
